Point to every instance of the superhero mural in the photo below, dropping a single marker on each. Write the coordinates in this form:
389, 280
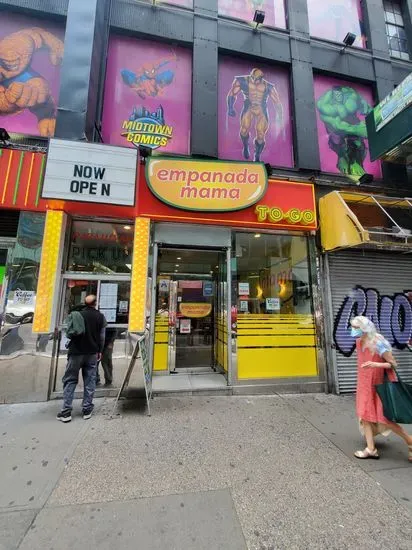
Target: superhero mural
332, 20
392, 316
31, 52
341, 108
245, 10
147, 98
254, 113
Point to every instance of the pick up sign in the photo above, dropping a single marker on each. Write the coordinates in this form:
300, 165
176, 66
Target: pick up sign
90, 172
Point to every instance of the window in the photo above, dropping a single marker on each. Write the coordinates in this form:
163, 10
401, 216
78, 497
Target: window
273, 300
395, 31
97, 247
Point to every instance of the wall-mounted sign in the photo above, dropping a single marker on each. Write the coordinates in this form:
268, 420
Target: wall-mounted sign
210, 186
90, 172
195, 310
273, 304
394, 103
185, 326
285, 204
244, 306
244, 289
207, 288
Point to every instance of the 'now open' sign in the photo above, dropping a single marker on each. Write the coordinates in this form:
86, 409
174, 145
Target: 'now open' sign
90, 172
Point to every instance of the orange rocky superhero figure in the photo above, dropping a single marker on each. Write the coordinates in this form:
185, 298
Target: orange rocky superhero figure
22, 88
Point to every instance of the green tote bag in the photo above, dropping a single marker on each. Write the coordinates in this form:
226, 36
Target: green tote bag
396, 399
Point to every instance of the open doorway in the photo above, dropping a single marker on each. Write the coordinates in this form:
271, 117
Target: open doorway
190, 312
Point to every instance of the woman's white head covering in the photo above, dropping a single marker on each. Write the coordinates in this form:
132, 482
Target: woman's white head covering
369, 329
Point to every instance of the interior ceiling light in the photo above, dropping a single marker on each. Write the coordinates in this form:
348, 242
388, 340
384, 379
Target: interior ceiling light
257, 235
127, 227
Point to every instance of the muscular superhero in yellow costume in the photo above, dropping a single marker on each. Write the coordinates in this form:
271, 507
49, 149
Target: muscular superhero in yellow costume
256, 91
22, 88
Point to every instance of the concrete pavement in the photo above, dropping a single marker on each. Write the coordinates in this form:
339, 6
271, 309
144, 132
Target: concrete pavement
261, 472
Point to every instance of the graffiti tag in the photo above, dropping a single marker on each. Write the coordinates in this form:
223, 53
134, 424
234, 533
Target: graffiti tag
392, 316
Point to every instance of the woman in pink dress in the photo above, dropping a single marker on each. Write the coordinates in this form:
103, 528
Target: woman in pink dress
374, 355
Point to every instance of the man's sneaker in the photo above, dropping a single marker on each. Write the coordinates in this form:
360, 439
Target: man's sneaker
87, 415
64, 416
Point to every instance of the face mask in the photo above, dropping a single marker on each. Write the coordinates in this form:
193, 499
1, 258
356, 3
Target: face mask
356, 332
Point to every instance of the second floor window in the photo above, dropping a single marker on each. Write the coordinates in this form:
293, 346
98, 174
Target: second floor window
395, 29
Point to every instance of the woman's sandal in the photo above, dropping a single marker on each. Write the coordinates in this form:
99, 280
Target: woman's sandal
410, 453
367, 453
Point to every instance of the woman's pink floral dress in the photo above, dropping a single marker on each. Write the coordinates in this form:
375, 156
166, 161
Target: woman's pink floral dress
368, 405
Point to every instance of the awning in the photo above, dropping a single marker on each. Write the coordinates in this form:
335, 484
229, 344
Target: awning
365, 220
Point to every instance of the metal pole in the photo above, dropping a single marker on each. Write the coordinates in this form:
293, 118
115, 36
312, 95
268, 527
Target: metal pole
229, 316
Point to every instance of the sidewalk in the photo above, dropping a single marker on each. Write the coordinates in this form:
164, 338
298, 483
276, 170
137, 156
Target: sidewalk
201, 473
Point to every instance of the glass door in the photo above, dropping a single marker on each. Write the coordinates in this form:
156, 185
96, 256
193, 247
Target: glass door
113, 299
195, 321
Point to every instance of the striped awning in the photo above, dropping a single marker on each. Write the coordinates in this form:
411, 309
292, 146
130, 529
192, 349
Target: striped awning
21, 176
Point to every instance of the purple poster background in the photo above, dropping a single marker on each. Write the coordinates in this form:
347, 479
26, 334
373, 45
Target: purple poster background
25, 122
332, 20
328, 157
165, 80
245, 10
278, 149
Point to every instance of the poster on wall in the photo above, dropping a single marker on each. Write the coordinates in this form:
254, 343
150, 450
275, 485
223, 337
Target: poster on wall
341, 109
147, 99
254, 113
31, 52
332, 20
245, 10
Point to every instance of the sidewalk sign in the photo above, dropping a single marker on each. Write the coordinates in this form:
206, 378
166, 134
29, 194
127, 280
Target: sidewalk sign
142, 348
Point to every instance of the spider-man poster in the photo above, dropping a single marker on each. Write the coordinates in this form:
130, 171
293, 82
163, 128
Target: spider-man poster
31, 52
148, 93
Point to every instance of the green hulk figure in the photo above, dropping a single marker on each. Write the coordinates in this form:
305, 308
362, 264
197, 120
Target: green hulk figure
339, 109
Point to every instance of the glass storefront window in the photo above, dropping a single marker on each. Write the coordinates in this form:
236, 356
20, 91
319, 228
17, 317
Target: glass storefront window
20, 294
273, 274
275, 323
99, 247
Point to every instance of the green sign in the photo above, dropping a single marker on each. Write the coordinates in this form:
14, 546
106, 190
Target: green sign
2, 273
393, 104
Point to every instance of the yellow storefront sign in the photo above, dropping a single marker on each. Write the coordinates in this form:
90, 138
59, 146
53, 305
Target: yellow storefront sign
211, 186
195, 310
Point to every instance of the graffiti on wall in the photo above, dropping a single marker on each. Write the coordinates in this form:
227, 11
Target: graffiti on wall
254, 113
147, 96
30, 58
341, 111
392, 316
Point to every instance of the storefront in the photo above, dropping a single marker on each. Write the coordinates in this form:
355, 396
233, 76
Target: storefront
214, 261
234, 288
367, 242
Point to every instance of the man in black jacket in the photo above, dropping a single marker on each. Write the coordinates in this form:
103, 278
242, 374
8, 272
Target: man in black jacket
84, 353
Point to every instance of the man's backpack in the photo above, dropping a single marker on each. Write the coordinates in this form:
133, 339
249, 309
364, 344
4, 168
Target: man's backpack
75, 324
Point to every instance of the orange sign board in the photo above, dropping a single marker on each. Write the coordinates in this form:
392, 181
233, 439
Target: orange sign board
206, 186
195, 310
285, 205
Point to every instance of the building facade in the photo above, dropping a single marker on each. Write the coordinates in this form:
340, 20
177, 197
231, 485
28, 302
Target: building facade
189, 152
